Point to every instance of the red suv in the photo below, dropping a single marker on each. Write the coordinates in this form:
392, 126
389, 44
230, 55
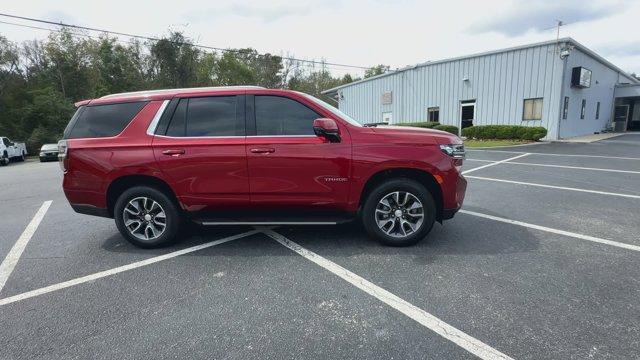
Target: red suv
253, 156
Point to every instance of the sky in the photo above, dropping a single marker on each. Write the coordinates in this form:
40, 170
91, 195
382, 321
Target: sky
364, 33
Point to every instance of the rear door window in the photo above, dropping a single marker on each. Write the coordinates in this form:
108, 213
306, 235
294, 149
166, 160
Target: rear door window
213, 116
102, 120
276, 115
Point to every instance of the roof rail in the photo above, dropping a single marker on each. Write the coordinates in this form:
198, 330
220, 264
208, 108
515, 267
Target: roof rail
162, 91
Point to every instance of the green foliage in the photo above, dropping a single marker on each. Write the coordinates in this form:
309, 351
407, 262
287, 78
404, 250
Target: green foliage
448, 128
376, 70
512, 132
423, 124
40, 80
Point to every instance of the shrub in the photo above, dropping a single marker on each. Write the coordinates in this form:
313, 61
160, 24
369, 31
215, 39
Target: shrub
534, 133
510, 132
423, 124
448, 128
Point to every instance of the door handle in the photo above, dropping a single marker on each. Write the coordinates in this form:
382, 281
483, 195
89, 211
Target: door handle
173, 152
263, 150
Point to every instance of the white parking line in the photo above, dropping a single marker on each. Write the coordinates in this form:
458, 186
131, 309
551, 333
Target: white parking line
470, 344
493, 163
135, 265
10, 261
554, 231
553, 166
551, 154
555, 187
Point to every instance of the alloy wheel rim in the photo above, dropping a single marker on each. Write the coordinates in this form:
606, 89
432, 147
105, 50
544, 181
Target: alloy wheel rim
144, 218
399, 214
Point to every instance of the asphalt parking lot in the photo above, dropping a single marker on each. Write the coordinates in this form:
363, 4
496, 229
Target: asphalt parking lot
542, 263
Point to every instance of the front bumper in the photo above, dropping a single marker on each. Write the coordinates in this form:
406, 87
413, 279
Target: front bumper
48, 157
460, 191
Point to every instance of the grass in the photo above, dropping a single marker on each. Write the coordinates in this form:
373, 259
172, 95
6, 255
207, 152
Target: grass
493, 143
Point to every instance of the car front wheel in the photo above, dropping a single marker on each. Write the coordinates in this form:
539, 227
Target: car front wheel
399, 212
147, 217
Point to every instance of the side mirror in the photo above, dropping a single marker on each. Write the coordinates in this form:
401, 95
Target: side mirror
327, 128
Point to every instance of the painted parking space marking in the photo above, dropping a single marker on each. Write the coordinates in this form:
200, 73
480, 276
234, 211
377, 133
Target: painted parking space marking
493, 163
630, 196
552, 154
554, 231
119, 269
465, 341
552, 166
11, 260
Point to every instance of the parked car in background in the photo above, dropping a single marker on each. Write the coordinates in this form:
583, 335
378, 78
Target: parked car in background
253, 156
49, 152
11, 151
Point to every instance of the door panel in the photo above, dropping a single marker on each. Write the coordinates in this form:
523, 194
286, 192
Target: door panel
290, 167
298, 171
208, 172
212, 172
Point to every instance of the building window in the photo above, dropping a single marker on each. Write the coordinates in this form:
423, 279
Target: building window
565, 108
532, 109
598, 110
433, 114
582, 109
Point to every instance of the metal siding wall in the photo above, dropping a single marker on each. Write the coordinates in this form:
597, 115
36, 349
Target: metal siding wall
603, 81
499, 83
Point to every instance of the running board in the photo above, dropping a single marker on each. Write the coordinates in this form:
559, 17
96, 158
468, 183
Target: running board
211, 223
274, 220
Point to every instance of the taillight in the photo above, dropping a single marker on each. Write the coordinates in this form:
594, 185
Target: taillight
63, 159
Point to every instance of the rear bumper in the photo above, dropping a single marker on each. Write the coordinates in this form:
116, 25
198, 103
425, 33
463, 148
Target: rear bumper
90, 210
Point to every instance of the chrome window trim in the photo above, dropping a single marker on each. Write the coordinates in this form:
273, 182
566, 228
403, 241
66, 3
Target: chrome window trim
156, 119
202, 137
287, 136
235, 136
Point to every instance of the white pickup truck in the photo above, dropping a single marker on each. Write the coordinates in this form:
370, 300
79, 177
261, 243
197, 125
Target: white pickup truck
10, 150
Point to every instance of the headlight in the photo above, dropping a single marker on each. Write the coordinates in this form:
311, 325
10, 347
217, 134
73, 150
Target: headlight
454, 150
41, 153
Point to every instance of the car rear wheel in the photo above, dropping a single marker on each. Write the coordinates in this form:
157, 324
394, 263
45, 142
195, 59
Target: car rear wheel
147, 217
399, 212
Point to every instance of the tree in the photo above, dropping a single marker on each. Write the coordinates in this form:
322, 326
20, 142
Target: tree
44, 117
376, 70
115, 68
173, 62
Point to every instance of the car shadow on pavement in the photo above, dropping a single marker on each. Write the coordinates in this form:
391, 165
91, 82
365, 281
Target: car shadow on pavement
465, 235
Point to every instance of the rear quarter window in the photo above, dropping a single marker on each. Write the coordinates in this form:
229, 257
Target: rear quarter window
102, 120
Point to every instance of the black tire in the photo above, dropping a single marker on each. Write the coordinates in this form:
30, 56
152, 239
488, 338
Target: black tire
412, 187
21, 158
170, 209
4, 160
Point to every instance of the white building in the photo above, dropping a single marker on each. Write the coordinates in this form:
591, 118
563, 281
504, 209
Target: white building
560, 85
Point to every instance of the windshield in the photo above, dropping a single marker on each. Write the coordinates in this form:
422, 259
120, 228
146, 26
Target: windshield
332, 109
50, 147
